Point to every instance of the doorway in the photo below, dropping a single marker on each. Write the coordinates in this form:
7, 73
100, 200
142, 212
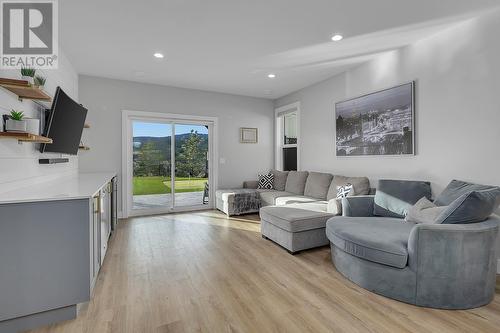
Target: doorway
287, 141
168, 162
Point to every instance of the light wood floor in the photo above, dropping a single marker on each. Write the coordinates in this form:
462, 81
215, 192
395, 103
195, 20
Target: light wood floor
203, 272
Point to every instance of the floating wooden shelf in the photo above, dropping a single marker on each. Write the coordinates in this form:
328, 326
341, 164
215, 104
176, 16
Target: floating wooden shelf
84, 148
24, 90
25, 137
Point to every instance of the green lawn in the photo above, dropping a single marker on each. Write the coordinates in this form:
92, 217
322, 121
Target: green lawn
161, 185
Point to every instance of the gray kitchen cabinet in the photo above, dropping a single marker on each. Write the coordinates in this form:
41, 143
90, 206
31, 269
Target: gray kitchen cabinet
53, 239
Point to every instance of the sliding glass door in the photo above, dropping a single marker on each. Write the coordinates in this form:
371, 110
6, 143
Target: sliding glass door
191, 165
152, 164
170, 166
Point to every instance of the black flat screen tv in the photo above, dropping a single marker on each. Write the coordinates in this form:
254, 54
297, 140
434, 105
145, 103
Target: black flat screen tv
64, 125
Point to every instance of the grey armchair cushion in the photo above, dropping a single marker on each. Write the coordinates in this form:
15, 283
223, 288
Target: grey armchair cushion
424, 211
358, 206
279, 179
457, 188
394, 197
475, 206
378, 239
361, 186
296, 182
317, 185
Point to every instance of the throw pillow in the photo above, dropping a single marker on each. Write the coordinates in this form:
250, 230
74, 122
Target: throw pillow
317, 185
457, 188
266, 182
343, 191
475, 206
394, 197
424, 212
296, 182
279, 179
360, 186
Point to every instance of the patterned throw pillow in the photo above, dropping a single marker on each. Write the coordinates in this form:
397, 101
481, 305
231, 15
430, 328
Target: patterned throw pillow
266, 182
343, 191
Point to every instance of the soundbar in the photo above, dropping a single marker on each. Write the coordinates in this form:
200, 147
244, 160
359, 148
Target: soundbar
53, 160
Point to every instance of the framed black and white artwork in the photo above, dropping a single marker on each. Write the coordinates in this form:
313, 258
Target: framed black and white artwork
379, 123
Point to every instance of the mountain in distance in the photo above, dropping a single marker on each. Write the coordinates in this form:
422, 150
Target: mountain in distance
163, 143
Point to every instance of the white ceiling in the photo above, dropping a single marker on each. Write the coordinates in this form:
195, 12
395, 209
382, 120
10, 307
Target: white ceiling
231, 45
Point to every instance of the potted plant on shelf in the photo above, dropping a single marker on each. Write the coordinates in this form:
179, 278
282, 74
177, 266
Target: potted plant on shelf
28, 73
15, 123
40, 81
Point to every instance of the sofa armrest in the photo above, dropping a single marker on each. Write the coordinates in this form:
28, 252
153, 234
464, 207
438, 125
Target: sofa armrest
446, 244
455, 263
253, 184
358, 206
334, 206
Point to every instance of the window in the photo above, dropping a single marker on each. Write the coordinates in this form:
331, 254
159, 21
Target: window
287, 137
290, 159
290, 128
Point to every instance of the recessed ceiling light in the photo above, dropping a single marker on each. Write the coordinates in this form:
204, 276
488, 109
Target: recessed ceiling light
271, 75
159, 55
337, 37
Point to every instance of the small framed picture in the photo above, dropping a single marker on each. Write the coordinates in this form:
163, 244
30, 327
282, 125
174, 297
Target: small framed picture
248, 135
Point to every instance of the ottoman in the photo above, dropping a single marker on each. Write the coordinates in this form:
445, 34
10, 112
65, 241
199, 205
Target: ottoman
238, 201
294, 229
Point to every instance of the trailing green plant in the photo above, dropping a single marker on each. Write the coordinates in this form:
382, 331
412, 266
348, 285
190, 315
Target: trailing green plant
40, 80
17, 115
28, 71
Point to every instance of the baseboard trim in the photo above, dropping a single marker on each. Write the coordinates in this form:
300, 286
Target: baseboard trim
498, 266
38, 319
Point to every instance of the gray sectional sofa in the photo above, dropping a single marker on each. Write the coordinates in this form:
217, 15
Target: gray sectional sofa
293, 213
295, 187
396, 243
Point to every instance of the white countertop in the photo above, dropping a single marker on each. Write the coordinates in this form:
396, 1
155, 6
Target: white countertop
76, 186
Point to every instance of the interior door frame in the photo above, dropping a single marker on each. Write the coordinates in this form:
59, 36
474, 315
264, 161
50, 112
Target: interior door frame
279, 129
128, 116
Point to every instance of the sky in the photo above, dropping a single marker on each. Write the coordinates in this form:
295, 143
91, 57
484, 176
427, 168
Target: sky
162, 130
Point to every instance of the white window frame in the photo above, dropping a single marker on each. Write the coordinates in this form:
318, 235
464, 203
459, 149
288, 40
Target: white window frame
128, 116
279, 114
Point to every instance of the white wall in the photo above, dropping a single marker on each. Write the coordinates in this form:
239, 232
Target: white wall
19, 162
106, 98
457, 109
